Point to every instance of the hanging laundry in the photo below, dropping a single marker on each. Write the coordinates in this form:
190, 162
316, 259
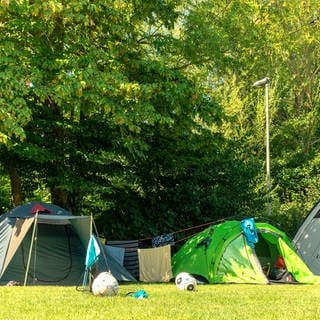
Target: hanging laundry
165, 239
155, 264
130, 255
117, 253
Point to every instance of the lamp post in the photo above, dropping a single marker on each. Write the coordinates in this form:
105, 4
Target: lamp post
259, 84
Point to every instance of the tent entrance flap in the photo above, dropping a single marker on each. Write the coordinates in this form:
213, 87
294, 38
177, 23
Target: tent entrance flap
66, 259
238, 264
19, 231
267, 250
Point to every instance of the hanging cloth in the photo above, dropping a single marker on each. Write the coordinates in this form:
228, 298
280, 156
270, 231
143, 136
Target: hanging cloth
163, 240
155, 264
249, 229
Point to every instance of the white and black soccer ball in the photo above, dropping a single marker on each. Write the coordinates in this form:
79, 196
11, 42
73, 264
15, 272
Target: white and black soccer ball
105, 284
185, 281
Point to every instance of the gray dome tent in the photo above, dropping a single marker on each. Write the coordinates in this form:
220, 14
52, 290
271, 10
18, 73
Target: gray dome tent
307, 240
43, 244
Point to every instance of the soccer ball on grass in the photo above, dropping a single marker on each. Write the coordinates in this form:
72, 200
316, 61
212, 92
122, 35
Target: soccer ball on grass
185, 281
105, 284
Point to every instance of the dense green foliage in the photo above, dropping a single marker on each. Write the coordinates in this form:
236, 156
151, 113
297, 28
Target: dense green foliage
165, 302
143, 114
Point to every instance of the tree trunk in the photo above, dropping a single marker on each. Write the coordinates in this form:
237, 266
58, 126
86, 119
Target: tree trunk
15, 182
59, 197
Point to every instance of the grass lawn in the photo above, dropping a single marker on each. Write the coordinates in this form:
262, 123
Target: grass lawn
165, 301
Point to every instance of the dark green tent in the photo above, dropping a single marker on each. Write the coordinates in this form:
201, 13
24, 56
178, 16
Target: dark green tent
221, 254
41, 243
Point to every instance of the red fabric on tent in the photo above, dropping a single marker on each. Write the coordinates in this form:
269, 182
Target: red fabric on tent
39, 208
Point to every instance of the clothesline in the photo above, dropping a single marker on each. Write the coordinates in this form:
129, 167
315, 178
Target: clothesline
195, 227
187, 229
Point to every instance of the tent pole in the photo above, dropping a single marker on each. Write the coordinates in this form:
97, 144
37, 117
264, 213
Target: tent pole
100, 244
91, 224
30, 250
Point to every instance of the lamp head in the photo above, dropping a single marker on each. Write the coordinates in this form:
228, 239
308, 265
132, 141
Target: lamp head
262, 82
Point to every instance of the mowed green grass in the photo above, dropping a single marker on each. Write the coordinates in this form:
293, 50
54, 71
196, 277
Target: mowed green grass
165, 301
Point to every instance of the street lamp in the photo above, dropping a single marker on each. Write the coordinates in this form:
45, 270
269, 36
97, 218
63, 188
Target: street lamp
259, 84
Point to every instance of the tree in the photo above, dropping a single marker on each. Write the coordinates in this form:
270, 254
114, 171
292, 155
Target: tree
144, 111
276, 39
68, 73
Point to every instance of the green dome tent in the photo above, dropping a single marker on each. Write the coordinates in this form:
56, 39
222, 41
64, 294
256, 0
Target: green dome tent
221, 254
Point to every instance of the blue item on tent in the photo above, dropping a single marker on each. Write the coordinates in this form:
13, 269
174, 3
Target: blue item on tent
93, 252
249, 229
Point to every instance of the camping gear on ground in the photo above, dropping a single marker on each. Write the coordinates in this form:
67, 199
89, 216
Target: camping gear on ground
221, 254
13, 283
279, 271
307, 240
139, 294
41, 243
